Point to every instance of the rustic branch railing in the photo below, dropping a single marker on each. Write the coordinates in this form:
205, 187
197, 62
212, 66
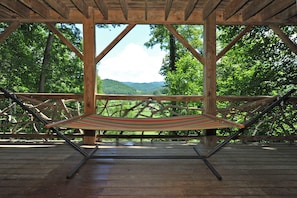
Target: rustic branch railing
14, 122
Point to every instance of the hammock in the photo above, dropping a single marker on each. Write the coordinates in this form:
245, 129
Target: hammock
192, 122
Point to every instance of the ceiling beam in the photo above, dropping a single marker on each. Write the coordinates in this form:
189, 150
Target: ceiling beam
17, 7
185, 43
124, 8
64, 40
210, 7
59, 7
233, 8
82, 7
11, 28
284, 38
37, 7
168, 8
254, 8
289, 13
5, 12
190, 7
103, 8
275, 7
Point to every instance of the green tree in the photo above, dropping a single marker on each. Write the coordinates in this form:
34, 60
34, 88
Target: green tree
259, 64
185, 78
23, 54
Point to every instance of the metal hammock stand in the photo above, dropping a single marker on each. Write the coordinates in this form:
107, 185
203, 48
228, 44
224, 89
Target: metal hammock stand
96, 122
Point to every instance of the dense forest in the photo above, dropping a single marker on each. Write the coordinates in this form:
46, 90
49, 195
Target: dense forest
258, 64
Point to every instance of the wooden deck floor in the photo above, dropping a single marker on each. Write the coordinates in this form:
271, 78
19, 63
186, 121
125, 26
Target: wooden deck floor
251, 170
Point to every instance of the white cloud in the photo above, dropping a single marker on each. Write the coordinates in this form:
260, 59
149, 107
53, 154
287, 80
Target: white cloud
134, 64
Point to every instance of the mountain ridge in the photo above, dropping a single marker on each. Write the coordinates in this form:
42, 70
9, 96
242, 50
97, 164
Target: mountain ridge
131, 88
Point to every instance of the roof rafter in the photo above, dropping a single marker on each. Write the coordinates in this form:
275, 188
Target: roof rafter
103, 8
275, 7
233, 8
190, 7
37, 7
59, 7
82, 7
210, 7
168, 6
5, 12
124, 8
254, 7
289, 13
17, 7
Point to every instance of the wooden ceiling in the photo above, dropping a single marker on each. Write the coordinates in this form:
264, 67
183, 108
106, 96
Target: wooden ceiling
241, 12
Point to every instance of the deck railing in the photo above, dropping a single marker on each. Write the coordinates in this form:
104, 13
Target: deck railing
15, 123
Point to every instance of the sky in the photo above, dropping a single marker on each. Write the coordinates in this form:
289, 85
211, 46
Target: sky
129, 60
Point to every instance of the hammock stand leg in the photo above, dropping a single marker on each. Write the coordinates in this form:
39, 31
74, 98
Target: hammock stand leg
90, 155
208, 164
86, 155
240, 131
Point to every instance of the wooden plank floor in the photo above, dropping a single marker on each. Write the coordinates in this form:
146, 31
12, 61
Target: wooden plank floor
250, 170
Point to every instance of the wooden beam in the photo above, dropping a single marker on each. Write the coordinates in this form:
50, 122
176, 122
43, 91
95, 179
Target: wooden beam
190, 7
275, 7
59, 7
37, 7
235, 40
90, 72
210, 7
209, 92
17, 7
64, 40
103, 8
233, 8
284, 38
124, 7
168, 6
82, 7
287, 14
254, 8
11, 28
145, 10
114, 42
185, 43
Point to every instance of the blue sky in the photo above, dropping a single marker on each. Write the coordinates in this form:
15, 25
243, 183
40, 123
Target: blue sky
129, 60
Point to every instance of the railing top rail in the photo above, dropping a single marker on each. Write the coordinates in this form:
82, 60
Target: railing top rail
143, 97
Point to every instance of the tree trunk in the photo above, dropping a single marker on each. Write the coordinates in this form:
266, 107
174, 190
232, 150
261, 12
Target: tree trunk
45, 62
172, 49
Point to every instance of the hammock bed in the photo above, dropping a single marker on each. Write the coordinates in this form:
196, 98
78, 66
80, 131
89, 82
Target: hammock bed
178, 123
96, 122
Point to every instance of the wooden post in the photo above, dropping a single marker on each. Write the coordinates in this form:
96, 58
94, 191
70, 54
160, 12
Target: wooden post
210, 74
89, 73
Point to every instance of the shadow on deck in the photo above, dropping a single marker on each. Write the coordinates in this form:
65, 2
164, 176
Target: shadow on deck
253, 170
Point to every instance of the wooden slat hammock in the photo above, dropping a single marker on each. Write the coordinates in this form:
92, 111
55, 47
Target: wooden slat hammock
191, 122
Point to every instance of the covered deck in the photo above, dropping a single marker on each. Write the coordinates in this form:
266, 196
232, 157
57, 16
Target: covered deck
248, 170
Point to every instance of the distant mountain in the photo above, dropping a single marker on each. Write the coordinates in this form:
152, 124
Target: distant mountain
130, 88
116, 87
146, 87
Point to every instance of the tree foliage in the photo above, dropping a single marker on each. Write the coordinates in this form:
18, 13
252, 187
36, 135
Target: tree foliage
259, 64
22, 55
